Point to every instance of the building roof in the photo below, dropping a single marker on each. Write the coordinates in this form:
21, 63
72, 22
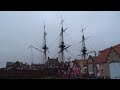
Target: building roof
117, 48
102, 57
52, 60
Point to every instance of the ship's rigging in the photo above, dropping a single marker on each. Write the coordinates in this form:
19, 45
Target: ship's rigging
84, 49
62, 45
45, 48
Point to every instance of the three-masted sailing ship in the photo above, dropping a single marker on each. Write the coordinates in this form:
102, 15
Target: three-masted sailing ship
50, 66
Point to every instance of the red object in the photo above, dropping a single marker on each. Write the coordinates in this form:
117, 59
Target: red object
78, 70
64, 74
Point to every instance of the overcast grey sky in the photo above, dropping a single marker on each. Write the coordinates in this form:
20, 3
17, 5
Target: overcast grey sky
19, 29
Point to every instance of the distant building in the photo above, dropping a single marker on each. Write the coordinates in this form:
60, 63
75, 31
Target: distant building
82, 64
16, 65
52, 63
91, 65
87, 66
8, 64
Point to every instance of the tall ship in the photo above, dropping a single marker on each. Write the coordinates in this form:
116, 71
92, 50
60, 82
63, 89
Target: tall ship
56, 67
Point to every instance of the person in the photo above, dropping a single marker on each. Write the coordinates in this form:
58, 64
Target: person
68, 72
64, 74
78, 71
74, 71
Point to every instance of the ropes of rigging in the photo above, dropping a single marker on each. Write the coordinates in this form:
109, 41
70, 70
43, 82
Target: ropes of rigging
70, 37
54, 41
71, 54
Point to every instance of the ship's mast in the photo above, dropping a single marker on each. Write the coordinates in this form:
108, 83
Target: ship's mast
62, 46
83, 50
45, 46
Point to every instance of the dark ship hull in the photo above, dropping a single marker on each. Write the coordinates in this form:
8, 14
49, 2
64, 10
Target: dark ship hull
27, 74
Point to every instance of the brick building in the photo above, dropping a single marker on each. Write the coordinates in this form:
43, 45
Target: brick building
108, 62
52, 62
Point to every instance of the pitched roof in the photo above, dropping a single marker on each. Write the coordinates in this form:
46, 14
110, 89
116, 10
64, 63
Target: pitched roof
117, 48
102, 57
